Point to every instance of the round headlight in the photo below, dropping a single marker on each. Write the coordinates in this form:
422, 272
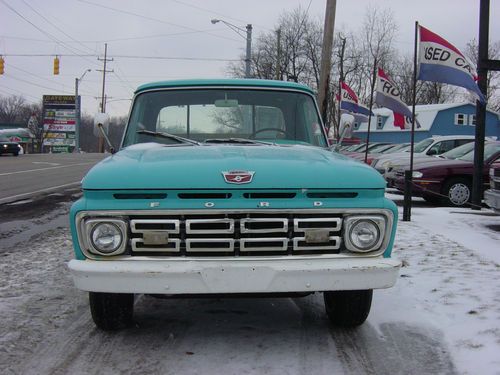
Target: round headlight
364, 235
106, 237
417, 174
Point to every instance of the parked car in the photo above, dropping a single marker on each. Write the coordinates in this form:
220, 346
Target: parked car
435, 145
361, 150
227, 187
9, 147
492, 195
377, 150
448, 181
455, 153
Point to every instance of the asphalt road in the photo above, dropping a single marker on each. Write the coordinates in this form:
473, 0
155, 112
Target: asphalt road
29, 175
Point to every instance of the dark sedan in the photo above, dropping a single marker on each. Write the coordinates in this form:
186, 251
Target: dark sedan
448, 181
9, 147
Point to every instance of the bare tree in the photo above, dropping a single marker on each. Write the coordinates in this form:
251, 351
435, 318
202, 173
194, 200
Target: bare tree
12, 109
493, 78
300, 51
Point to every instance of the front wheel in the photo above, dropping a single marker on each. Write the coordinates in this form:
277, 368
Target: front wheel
458, 191
348, 308
111, 311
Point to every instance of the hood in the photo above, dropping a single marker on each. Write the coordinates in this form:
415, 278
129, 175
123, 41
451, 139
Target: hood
440, 163
156, 166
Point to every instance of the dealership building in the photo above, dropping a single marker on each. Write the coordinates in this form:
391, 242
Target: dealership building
434, 119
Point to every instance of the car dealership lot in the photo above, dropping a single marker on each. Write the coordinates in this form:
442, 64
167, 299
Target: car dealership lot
439, 318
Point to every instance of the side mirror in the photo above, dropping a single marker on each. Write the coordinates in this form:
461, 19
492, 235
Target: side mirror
346, 125
345, 128
432, 151
103, 120
101, 125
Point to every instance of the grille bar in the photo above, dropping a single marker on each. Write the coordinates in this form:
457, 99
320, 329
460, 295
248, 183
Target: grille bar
332, 223
174, 244
263, 244
155, 225
209, 226
268, 225
300, 243
210, 245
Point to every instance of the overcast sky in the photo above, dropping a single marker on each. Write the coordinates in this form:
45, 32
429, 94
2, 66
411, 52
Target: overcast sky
176, 28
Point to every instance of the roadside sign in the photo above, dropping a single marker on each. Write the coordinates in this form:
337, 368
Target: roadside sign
59, 122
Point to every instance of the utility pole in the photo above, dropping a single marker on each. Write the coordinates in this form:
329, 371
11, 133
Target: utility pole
341, 79
103, 98
248, 59
278, 55
78, 105
326, 57
484, 65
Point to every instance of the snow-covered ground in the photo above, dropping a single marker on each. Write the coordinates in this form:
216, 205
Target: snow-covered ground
442, 317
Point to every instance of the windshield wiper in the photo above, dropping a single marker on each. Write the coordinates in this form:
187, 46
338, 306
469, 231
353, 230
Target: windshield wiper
168, 136
237, 140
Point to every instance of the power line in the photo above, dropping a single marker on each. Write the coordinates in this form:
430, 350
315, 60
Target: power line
151, 18
111, 40
35, 75
38, 85
54, 25
40, 29
217, 13
122, 56
21, 92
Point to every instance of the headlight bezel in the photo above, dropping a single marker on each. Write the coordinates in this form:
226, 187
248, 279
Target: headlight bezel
380, 223
91, 224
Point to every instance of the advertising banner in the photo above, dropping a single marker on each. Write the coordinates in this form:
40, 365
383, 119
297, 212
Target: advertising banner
59, 119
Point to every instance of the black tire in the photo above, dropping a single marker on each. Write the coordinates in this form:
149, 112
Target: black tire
348, 308
111, 311
458, 192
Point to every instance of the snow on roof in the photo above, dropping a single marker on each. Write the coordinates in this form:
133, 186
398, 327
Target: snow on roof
425, 115
17, 131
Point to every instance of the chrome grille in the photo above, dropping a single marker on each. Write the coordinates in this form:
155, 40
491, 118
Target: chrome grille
237, 234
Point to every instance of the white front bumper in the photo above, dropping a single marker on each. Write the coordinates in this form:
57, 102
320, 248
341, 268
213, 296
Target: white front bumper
182, 276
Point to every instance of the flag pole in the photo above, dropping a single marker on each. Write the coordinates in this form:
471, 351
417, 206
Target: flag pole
409, 176
371, 106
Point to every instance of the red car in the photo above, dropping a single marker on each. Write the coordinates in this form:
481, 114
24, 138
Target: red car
446, 181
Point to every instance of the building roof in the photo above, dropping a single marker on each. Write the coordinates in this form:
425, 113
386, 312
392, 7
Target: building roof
20, 132
425, 115
224, 83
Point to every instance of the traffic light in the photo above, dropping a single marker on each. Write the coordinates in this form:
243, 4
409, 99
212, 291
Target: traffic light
56, 65
2, 62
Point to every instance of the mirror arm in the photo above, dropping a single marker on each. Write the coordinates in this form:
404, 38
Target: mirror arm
337, 147
101, 129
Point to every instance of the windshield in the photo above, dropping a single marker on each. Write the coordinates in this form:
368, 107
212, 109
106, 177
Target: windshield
459, 151
380, 148
489, 150
224, 116
355, 147
422, 145
398, 148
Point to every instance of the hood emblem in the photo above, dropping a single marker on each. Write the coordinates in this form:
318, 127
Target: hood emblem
238, 177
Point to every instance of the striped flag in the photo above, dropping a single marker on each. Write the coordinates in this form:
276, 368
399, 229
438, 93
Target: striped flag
349, 103
440, 61
389, 96
348, 98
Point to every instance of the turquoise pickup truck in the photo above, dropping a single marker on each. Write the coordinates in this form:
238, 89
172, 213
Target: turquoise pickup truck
227, 187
